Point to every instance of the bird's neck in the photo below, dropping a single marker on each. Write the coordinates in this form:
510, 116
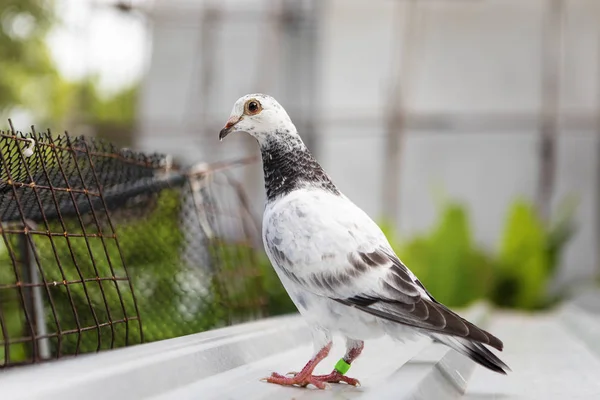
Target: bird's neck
289, 166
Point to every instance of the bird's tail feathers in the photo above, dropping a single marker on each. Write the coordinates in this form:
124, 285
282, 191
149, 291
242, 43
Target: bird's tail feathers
475, 351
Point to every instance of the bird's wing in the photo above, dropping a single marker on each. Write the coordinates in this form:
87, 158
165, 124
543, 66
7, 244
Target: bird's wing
333, 249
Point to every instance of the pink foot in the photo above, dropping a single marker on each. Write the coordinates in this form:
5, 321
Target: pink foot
336, 377
304, 377
300, 380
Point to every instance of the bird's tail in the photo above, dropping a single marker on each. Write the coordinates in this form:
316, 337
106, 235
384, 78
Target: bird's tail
475, 351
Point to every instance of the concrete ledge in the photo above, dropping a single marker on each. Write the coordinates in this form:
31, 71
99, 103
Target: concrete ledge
228, 363
146, 370
582, 318
553, 355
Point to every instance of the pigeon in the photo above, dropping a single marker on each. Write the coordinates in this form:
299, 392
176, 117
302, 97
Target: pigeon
334, 261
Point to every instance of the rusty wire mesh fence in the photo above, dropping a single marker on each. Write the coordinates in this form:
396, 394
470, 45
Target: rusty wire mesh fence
103, 248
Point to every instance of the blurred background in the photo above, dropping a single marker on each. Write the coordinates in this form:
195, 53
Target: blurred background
468, 128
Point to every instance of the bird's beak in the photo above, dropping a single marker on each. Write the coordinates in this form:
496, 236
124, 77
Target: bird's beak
230, 124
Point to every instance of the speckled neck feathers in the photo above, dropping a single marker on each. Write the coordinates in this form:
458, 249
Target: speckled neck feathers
289, 166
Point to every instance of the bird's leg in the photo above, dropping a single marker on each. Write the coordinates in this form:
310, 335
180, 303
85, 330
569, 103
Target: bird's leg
304, 377
322, 345
353, 350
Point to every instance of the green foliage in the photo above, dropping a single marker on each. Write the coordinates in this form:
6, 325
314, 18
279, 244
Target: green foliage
457, 271
248, 290
111, 116
150, 249
523, 264
561, 231
14, 320
529, 254
447, 260
278, 302
175, 297
23, 53
118, 108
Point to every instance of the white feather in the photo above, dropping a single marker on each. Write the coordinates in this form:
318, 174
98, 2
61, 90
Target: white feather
318, 230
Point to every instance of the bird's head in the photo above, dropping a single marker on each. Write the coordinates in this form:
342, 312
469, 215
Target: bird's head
261, 116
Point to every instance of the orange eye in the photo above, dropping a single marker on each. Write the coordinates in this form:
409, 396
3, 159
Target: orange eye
252, 107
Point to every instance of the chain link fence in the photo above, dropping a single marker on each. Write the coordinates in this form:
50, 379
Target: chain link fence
104, 248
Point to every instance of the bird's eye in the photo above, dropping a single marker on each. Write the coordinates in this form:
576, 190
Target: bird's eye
253, 107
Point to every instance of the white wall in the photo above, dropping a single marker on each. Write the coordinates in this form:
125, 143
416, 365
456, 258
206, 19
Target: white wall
471, 58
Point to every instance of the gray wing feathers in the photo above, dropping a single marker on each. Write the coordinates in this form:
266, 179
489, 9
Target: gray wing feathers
475, 351
397, 303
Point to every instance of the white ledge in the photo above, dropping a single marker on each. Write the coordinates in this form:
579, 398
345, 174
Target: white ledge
228, 363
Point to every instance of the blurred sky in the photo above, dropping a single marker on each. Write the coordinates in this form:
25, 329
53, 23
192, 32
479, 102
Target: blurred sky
93, 37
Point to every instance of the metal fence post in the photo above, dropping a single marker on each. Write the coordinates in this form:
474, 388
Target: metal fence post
33, 299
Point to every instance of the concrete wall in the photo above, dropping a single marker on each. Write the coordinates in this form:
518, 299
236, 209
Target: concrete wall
471, 59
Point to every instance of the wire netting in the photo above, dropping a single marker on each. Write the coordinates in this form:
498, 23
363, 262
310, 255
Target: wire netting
104, 248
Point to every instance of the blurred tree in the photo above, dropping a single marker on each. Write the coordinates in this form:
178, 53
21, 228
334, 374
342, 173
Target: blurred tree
30, 81
23, 52
111, 117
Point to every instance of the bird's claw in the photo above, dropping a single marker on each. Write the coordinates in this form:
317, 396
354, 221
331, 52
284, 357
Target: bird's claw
320, 381
336, 377
297, 379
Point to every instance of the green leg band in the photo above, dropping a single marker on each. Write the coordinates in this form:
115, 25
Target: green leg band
342, 366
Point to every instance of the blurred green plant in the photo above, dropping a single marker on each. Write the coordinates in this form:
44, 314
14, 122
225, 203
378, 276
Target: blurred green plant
457, 270
529, 254
150, 248
447, 260
175, 297
278, 302
248, 291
